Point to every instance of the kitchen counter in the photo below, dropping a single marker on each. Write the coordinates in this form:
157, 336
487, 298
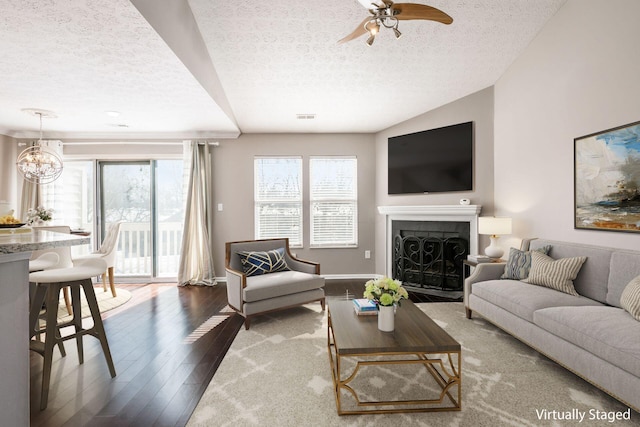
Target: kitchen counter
15, 250
20, 241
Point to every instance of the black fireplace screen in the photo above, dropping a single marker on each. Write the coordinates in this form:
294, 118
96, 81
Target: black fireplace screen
430, 262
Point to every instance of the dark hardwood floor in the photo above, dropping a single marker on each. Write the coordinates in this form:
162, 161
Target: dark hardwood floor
166, 343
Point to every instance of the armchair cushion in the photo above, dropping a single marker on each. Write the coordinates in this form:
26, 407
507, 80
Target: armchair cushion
258, 263
278, 284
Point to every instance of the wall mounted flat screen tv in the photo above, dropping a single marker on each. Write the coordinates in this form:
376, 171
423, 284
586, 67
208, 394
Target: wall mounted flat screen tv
432, 161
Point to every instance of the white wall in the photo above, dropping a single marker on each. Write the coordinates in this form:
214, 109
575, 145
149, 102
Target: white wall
579, 76
478, 108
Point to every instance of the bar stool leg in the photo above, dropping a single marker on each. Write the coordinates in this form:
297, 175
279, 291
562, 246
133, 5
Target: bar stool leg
77, 319
40, 293
89, 293
53, 295
34, 313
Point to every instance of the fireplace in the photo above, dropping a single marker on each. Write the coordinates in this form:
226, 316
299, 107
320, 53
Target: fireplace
426, 246
429, 254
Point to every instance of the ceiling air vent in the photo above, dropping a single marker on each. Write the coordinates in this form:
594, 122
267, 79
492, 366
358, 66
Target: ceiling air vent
305, 116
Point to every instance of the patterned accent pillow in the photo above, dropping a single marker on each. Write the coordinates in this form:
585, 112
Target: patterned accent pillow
630, 299
519, 263
257, 263
555, 274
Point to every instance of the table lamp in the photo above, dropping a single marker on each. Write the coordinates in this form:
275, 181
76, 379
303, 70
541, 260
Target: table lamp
494, 227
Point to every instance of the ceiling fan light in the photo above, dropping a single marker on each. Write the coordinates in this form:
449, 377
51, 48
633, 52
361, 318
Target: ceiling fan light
372, 27
371, 39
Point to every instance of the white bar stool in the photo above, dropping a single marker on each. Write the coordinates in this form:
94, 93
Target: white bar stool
49, 283
44, 262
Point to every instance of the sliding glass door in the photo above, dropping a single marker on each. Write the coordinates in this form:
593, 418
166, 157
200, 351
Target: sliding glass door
125, 195
147, 196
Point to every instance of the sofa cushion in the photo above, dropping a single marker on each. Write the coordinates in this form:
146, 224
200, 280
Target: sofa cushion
281, 283
630, 299
625, 265
523, 299
519, 263
256, 263
556, 274
608, 332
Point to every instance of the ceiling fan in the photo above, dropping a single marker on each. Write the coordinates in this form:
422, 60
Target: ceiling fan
385, 13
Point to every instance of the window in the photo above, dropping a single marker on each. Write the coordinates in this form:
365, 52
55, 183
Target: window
334, 201
71, 197
278, 198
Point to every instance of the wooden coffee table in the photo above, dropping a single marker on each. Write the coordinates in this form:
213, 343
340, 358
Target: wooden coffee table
417, 340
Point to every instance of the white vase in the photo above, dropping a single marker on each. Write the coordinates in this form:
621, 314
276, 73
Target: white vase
386, 318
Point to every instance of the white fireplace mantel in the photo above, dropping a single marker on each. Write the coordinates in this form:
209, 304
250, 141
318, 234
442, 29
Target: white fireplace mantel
451, 213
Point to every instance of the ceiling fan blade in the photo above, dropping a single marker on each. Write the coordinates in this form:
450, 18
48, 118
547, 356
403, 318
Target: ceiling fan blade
405, 11
372, 4
359, 31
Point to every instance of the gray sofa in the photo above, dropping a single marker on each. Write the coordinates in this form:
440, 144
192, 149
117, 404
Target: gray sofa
250, 295
588, 334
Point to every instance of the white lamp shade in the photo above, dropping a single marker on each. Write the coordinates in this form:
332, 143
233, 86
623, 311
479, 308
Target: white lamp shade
494, 226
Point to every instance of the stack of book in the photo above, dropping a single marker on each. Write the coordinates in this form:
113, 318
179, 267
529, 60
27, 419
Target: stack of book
478, 258
365, 307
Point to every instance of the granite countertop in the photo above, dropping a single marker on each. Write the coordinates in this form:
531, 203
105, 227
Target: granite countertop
38, 240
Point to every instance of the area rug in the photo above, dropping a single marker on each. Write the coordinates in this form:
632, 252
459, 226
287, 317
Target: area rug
277, 374
106, 302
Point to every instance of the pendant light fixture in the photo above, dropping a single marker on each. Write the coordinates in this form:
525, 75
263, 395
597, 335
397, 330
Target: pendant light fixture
38, 164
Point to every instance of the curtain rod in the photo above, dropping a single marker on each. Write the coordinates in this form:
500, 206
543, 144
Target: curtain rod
214, 143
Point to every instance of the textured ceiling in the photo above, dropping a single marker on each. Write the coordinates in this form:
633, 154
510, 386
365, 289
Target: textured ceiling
272, 61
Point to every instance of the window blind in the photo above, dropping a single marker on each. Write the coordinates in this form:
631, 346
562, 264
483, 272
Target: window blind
334, 201
278, 198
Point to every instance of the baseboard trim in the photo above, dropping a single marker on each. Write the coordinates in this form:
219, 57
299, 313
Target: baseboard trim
331, 277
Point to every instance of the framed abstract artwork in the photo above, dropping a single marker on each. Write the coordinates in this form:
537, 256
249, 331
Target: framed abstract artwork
607, 180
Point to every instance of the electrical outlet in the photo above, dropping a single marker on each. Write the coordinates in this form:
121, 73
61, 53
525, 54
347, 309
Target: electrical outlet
367, 254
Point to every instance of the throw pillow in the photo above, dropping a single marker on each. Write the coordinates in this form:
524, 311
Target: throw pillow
630, 299
257, 263
555, 274
519, 263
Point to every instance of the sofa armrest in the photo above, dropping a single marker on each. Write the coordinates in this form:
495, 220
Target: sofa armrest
481, 273
236, 282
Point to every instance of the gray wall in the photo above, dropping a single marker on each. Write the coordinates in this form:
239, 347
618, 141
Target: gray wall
233, 184
477, 108
9, 151
579, 76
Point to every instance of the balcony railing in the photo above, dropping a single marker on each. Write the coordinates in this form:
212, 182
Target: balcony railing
134, 255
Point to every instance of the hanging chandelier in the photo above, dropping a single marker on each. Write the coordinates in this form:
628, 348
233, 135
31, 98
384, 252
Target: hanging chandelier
38, 164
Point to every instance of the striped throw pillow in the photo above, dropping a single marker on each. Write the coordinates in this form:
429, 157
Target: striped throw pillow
630, 299
556, 274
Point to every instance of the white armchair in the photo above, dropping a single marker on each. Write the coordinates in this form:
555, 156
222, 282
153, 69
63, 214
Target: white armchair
107, 252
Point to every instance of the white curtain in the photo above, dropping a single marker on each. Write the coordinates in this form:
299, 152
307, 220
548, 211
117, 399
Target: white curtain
196, 259
29, 198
